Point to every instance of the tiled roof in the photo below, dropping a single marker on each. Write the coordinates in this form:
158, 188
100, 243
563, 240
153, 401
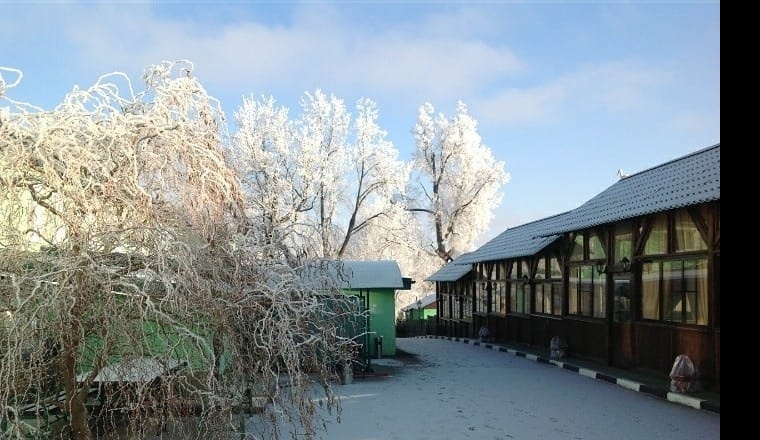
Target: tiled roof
452, 271
685, 181
520, 241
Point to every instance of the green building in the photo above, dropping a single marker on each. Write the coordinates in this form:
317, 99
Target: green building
375, 284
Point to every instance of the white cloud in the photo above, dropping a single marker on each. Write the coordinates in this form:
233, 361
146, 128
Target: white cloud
618, 86
535, 104
317, 49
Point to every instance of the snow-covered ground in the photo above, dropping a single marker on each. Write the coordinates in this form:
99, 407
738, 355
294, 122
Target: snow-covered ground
460, 391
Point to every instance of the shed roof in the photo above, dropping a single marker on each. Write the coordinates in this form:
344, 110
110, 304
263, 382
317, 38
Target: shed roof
361, 274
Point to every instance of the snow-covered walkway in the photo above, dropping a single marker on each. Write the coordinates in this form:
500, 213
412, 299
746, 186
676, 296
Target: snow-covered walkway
459, 391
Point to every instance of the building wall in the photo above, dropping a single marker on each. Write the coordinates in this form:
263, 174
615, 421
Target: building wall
382, 319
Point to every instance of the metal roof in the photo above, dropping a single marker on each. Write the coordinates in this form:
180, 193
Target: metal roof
359, 274
686, 181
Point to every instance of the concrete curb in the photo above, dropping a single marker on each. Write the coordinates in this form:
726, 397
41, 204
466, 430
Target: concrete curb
679, 398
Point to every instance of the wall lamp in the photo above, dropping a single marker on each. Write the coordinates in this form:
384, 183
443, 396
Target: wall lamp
623, 266
525, 280
626, 264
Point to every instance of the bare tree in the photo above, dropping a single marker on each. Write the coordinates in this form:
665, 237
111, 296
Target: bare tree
133, 287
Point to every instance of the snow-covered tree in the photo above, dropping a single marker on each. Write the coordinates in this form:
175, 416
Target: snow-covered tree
377, 181
322, 134
328, 176
125, 247
275, 175
457, 184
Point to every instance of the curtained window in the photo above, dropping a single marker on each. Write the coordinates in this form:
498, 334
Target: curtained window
586, 295
675, 291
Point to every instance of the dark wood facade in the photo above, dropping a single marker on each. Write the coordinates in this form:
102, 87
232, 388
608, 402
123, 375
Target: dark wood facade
633, 294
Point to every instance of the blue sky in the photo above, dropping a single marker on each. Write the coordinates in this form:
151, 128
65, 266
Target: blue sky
566, 93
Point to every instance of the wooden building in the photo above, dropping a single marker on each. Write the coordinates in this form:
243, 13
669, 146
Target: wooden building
630, 278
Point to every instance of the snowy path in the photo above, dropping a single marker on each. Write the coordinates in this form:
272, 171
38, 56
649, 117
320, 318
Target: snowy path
459, 391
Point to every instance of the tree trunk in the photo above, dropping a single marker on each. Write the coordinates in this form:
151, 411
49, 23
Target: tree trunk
75, 401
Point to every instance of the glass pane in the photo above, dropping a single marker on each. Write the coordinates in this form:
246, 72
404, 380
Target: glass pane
622, 298
556, 269
657, 242
539, 298
541, 268
524, 268
586, 283
672, 291
596, 249
650, 291
572, 294
577, 252
600, 296
557, 298
695, 295
520, 306
623, 242
512, 297
688, 237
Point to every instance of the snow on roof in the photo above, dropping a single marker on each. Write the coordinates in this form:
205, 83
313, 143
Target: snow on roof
362, 274
424, 302
452, 271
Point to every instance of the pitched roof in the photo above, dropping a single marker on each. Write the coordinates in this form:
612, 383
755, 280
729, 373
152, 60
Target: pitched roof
452, 271
689, 180
424, 302
519, 241
359, 274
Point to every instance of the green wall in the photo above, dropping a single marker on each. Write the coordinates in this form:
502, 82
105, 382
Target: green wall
382, 318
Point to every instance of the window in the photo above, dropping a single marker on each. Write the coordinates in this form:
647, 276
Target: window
519, 291
675, 291
586, 294
577, 253
445, 306
674, 287
687, 235
482, 289
587, 287
498, 287
623, 242
622, 299
467, 302
657, 242
595, 248
547, 294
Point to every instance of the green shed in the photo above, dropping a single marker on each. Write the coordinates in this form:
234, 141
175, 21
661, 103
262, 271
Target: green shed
375, 283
